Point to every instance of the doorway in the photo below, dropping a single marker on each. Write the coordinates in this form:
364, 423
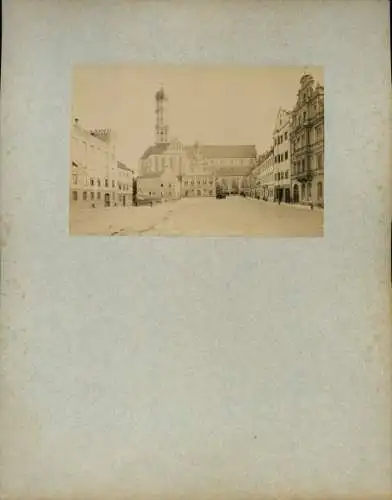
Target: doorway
296, 194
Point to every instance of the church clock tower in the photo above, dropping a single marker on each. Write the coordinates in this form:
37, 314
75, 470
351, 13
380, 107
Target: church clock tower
161, 129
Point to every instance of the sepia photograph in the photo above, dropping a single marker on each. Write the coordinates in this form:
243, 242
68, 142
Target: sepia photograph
197, 151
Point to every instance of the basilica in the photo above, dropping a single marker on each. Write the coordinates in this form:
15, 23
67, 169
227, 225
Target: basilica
169, 169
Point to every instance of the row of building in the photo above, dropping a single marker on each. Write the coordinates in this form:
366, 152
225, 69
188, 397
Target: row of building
98, 179
290, 170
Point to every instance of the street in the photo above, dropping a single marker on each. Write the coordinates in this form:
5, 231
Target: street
233, 216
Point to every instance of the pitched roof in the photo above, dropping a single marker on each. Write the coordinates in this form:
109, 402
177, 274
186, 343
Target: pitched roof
123, 166
223, 151
227, 171
157, 149
151, 175
156, 175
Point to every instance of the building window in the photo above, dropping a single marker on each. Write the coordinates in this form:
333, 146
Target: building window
303, 166
106, 183
319, 161
286, 175
99, 182
74, 179
84, 195
113, 184
285, 136
92, 195
161, 185
98, 195
320, 191
75, 195
286, 155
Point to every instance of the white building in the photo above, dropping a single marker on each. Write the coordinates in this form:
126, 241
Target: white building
266, 175
125, 177
158, 186
282, 159
93, 172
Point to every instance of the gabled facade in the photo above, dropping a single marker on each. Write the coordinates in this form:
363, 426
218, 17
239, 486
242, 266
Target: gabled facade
160, 186
307, 143
159, 157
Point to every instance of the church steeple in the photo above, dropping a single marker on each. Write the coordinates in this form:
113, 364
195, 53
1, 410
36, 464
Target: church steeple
161, 128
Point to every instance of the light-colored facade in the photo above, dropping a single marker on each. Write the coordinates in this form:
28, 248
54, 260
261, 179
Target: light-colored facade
307, 143
251, 184
210, 166
163, 156
93, 181
125, 177
159, 186
282, 157
266, 175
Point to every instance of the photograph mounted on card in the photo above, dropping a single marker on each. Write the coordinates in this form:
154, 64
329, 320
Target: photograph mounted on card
197, 151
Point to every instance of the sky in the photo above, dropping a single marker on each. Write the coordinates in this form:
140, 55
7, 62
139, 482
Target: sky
208, 104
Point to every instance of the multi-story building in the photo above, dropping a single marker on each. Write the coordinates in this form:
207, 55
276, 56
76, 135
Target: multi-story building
282, 167
266, 175
159, 186
307, 143
223, 165
93, 167
198, 168
251, 185
198, 178
125, 177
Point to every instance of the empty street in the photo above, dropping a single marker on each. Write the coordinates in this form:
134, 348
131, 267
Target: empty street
233, 216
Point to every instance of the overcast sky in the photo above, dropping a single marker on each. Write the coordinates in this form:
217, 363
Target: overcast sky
214, 105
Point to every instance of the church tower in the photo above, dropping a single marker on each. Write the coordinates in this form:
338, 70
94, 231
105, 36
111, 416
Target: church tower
161, 129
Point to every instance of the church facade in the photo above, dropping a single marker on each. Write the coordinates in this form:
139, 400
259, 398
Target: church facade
198, 168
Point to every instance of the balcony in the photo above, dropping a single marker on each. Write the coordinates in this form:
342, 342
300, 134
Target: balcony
304, 176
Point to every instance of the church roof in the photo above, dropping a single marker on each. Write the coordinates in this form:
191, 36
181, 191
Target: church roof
157, 149
123, 166
236, 171
151, 175
223, 151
